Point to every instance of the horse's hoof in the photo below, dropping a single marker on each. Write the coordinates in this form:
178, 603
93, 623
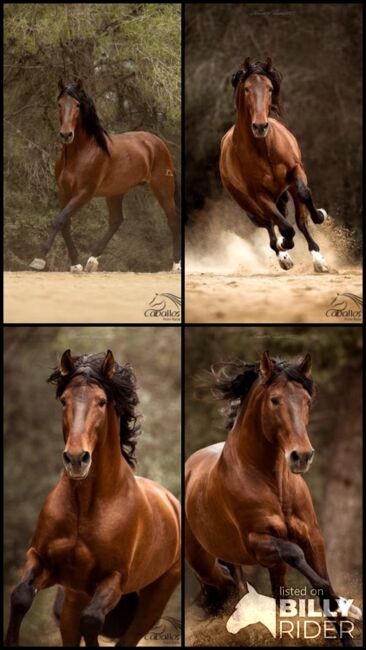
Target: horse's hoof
323, 215
92, 264
285, 260
176, 267
320, 264
76, 268
38, 264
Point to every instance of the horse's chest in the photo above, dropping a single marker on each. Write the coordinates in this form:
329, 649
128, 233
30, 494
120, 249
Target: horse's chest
73, 560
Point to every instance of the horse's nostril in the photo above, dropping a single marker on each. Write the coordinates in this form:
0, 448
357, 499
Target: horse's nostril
66, 457
85, 457
265, 126
295, 456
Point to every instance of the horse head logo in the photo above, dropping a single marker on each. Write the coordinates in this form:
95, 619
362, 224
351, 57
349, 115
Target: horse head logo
159, 301
253, 608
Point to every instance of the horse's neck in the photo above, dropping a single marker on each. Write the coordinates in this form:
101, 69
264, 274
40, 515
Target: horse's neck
81, 141
247, 445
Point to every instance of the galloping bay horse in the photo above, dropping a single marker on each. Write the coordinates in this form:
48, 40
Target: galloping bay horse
260, 163
92, 163
246, 501
109, 538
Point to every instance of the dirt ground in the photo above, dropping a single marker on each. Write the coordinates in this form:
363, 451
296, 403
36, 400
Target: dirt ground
46, 297
296, 297
232, 275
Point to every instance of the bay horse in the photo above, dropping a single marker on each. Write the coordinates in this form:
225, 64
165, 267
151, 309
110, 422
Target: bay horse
246, 500
93, 163
260, 163
109, 538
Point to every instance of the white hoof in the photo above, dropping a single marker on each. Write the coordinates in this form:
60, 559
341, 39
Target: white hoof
92, 265
324, 213
38, 264
76, 268
176, 267
285, 260
320, 264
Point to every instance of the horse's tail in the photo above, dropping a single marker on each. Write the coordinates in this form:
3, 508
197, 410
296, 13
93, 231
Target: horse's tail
177, 196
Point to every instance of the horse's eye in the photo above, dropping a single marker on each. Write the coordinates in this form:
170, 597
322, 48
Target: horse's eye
63, 401
246, 90
102, 402
77, 105
275, 401
309, 402
270, 90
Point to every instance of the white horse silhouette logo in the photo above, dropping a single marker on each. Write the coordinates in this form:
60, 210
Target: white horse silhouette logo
253, 608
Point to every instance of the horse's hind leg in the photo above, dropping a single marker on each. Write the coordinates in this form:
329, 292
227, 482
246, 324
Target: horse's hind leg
164, 188
75, 267
72, 606
114, 204
214, 577
152, 602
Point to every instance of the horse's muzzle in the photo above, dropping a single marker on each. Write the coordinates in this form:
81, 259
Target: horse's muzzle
66, 138
77, 465
300, 461
260, 130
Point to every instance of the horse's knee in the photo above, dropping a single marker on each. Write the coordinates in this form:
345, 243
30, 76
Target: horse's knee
290, 552
22, 597
303, 191
91, 623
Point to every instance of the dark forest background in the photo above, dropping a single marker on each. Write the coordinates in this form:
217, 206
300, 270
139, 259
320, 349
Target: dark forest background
317, 48
335, 430
33, 439
129, 57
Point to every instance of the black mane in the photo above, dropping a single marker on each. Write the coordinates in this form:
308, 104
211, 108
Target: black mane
121, 389
233, 380
259, 67
90, 119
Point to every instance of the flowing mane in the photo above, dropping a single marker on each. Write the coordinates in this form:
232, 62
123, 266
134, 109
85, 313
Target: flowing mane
90, 119
121, 389
232, 381
259, 67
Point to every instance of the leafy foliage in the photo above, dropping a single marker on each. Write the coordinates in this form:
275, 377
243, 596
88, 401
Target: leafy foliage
128, 56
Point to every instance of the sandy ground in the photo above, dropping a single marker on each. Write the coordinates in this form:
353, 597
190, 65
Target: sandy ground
45, 297
296, 297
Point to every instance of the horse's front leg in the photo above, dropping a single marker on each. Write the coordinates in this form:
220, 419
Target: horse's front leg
106, 597
59, 223
270, 551
314, 551
273, 217
35, 577
303, 200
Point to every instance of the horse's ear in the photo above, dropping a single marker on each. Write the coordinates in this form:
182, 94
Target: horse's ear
251, 589
79, 84
266, 365
109, 365
67, 365
61, 85
268, 64
246, 65
305, 366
